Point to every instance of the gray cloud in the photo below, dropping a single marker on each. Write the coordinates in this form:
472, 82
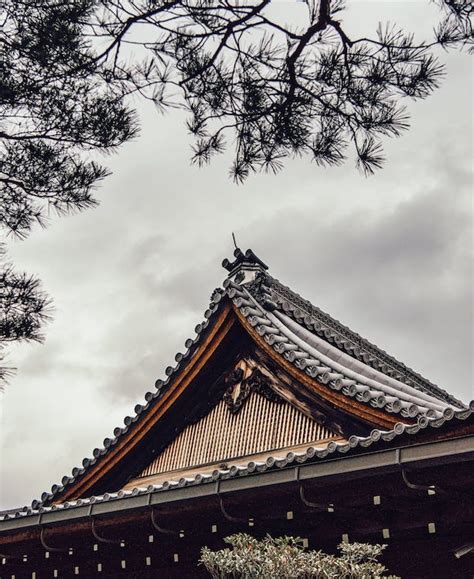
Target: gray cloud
390, 256
402, 278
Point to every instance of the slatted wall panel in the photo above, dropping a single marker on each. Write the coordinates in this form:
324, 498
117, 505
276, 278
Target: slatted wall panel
260, 425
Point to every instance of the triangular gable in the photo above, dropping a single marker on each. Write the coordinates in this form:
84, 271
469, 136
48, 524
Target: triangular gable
250, 419
319, 375
190, 391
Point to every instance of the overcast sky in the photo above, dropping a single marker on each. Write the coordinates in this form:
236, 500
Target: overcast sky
390, 256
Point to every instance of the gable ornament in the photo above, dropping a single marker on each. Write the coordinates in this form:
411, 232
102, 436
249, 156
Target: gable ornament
239, 388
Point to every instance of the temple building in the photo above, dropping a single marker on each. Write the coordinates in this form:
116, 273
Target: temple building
276, 419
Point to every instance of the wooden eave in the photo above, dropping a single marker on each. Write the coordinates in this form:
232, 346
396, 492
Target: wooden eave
390, 458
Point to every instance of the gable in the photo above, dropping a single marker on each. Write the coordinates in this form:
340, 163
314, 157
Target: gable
332, 384
249, 420
193, 388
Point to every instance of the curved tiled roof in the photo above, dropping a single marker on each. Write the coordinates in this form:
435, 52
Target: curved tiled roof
377, 439
334, 332
327, 364
301, 337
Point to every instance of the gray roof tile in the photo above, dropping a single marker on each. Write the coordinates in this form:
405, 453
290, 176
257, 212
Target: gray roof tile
265, 288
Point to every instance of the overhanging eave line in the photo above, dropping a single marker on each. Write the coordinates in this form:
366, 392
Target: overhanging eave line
374, 463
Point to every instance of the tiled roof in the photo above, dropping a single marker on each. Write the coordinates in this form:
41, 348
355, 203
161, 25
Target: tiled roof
377, 438
293, 329
269, 290
328, 364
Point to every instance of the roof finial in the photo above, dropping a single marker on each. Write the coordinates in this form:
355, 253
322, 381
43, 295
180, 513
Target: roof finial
245, 265
233, 239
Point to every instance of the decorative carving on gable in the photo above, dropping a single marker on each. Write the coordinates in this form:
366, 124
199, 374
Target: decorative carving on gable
240, 387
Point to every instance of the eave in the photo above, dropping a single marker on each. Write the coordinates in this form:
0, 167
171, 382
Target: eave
410, 447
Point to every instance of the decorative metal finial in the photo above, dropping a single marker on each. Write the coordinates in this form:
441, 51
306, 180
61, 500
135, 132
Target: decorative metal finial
233, 239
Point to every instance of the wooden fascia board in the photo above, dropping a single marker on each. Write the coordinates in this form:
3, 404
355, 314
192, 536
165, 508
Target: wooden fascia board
215, 335
371, 415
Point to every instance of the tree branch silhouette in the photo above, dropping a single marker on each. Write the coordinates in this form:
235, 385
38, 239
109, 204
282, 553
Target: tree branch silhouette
68, 71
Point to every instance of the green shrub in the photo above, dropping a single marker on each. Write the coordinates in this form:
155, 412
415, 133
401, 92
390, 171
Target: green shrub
286, 557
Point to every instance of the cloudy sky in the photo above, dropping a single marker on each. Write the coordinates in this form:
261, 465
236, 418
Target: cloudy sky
390, 256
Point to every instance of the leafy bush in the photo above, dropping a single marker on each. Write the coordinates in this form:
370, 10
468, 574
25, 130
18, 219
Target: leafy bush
285, 557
